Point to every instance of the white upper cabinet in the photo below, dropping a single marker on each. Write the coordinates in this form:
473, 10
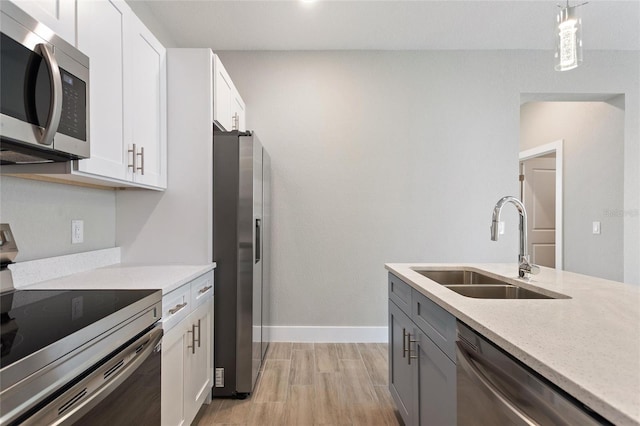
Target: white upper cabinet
58, 15
145, 106
228, 107
127, 97
102, 36
238, 112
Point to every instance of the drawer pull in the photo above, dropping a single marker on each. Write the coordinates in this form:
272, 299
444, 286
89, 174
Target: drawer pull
205, 289
404, 343
410, 341
177, 308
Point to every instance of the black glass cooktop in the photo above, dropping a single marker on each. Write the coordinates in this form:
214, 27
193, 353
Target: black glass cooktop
34, 319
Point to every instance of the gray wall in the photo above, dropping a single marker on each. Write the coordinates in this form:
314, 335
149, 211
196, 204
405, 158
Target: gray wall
40, 215
399, 157
593, 150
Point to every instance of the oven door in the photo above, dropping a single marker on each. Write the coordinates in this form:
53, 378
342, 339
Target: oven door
122, 389
43, 93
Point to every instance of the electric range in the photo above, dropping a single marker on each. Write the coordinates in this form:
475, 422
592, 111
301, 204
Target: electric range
53, 337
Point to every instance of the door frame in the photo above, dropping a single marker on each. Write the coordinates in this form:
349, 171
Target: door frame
539, 151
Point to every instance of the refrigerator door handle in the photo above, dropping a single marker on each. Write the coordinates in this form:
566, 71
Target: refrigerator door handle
258, 247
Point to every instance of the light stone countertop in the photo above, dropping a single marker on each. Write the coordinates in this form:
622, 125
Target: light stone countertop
127, 276
588, 345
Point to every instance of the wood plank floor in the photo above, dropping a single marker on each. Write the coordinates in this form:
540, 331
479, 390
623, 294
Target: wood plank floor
313, 384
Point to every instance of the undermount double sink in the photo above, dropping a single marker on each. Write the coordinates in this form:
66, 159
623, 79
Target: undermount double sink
477, 285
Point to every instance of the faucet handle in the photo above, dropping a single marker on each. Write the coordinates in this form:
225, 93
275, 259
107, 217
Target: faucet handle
525, 267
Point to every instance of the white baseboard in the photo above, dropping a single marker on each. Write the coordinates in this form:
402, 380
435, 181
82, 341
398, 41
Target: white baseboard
311, 334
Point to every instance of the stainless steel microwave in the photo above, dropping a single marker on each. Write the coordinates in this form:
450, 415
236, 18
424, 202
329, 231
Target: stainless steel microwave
44, 93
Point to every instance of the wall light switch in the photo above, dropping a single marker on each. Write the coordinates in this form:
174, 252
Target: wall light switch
596, 228
77, 231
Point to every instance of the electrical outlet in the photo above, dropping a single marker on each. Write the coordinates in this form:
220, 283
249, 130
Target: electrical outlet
77, 231
219, 377
501, 227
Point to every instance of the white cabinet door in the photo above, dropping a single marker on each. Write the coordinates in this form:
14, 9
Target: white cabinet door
223, 90
198, 355
174, 343
145, 104
102, 37
58, 15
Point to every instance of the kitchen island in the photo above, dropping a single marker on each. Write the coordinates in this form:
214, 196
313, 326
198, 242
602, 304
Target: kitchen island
587, 343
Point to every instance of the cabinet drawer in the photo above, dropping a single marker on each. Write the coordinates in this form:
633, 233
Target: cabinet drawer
400, 293
176, 306
438, 324
201, 289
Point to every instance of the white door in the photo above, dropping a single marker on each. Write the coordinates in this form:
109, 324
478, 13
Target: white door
539, 198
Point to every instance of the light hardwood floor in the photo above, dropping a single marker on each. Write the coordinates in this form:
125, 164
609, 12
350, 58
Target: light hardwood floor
313, 384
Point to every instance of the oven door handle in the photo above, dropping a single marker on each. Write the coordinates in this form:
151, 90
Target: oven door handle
90, 391
467, 364
55, 108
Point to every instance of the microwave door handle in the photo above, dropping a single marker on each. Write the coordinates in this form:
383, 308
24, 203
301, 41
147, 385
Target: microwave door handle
55, 106
467, 364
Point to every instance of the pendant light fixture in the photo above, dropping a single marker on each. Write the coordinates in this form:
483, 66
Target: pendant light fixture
568, 38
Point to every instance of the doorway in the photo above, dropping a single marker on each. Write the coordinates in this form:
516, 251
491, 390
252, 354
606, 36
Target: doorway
541, 177
591, 239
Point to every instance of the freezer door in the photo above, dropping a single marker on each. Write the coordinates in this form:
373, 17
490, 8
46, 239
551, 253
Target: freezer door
250, 265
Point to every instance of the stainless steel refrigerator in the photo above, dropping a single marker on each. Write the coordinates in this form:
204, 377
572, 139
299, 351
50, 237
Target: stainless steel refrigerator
241, 223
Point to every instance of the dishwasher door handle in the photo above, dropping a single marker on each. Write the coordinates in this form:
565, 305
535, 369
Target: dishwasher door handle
467, 364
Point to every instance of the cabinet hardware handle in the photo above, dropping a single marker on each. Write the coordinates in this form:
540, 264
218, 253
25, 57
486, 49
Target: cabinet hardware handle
193, 337
410, 357
198, 333
133, 158
205, 289
235, 123
404, 343
141, 155
177, 308
192, 346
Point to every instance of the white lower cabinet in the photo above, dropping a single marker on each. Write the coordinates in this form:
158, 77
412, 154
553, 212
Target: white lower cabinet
187, 350
196, 367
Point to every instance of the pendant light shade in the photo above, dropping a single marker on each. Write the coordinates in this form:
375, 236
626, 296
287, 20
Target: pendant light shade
568, 38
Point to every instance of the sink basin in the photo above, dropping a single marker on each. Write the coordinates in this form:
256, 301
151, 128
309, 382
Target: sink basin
497, 291
480, 286
460, 277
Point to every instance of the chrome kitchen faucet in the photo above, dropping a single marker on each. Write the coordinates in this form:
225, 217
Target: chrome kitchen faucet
524, 266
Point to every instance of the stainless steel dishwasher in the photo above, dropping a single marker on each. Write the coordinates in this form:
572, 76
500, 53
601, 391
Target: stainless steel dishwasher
495, 389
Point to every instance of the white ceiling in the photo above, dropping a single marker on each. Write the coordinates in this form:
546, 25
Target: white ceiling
388, 25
